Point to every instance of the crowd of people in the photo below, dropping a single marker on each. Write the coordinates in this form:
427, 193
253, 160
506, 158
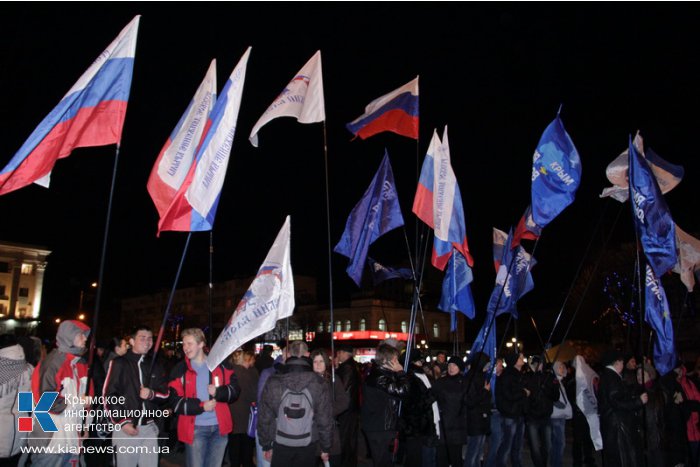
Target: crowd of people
307, 408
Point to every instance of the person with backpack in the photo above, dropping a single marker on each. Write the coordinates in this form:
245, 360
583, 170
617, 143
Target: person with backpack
201, 400
295, 419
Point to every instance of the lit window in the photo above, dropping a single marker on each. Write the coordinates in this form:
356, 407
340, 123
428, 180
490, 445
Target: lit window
328, 326
404, 326
348, 325
436, 330
319, 328
382, 325
27, 269
417, 328
338, 326
363, 324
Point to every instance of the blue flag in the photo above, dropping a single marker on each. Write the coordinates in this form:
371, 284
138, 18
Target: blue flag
652, 218
456, 292
488, 344
377, 213
513, 279
381, 273
658, 316
556, 174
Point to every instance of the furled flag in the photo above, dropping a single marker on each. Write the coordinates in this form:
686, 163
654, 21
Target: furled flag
513, 279
651, 215
486, 342
556, 173
456, 291
667, 175
396, 111
688, 263
269, 298
526, 229
586, 382
438, 203
176, 157
90, 114
302, 98
381, 273
194, 205
377, 213
658, 316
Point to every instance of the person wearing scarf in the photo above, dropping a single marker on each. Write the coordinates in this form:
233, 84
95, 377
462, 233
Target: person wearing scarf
15, 376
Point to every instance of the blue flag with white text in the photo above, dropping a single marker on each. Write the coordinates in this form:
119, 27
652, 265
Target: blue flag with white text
456, 291
656, 229
513, 279
377, 213
556, 173
381, 273
658, 316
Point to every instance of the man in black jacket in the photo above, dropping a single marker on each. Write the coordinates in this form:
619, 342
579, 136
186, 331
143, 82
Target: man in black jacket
617, 406
385, 387
544, 390
511, 400
348, 375
128, 379
478, 407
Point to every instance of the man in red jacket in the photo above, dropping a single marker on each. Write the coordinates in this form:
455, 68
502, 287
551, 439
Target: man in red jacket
201, 399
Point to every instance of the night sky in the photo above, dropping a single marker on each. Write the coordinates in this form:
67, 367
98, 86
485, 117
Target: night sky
494, 73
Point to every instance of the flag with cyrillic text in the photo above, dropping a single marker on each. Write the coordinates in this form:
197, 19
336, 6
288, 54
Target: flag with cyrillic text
658, 316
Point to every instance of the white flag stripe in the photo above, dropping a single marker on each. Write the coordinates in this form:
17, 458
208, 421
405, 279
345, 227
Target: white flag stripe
301, 98
269, 298
443, 189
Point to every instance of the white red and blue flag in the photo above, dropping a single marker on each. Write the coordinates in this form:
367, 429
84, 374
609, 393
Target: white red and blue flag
526, 229
438, 203
90, 114
396, 112
195, 203
175, 159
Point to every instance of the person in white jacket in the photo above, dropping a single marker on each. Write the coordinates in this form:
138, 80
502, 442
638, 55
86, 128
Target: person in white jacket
15, 376
561, 412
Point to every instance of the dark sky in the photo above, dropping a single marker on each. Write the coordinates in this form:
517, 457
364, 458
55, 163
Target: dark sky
495, 73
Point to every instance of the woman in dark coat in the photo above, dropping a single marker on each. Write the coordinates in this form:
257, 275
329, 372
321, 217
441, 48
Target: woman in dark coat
450, 392
241, 447
617, 406
478, 405
654, 429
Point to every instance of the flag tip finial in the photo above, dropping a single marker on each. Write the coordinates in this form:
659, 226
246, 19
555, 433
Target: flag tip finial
559, 110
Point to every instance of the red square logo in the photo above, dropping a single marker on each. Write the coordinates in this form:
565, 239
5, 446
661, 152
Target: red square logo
25, 424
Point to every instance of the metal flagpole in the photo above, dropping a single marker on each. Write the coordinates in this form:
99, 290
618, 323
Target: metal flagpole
211, 286
156, 347
330, 253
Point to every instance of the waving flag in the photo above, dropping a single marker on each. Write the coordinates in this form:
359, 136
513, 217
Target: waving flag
658, 315
586, 383
486, 342
195, 203
513, 279
269, 298
688, 258
381, 273
175, 159
90, 114
438, 203
396, 111
526, 229
377, 213
556, 173
302, 98
456, 291
667, 175
651, 215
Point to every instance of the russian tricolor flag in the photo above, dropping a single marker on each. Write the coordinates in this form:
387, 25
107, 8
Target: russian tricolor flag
396, 111
90, 114
175, 159
195, 203
438, 203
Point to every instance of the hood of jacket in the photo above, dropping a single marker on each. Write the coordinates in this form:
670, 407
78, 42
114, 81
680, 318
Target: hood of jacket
67, 331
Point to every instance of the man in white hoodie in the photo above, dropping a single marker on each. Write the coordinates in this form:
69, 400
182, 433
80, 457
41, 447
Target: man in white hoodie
15, 376
561, 412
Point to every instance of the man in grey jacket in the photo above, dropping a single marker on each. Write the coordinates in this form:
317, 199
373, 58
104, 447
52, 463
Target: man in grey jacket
298, 396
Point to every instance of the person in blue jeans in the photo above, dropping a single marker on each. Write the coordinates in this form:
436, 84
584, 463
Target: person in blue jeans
511, 399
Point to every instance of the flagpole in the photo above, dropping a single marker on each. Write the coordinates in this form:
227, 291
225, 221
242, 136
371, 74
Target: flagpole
328, 234
100, 275
641, 305
211, 285
156, 347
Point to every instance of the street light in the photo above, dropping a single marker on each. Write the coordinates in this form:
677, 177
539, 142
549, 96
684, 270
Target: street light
81, 316
57, 320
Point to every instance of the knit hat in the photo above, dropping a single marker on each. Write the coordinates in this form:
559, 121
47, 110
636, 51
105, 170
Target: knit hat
511, 359
457, 361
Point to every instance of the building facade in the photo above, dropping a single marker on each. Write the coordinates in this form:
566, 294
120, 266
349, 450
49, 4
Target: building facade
22, 270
